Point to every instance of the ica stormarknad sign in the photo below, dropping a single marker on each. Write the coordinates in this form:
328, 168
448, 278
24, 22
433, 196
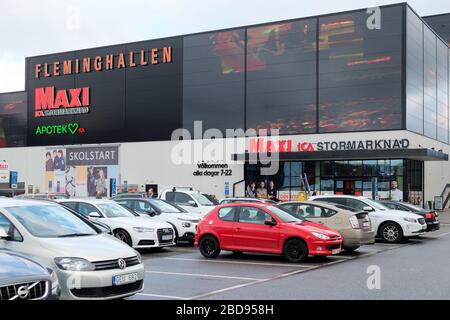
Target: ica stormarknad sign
4, 172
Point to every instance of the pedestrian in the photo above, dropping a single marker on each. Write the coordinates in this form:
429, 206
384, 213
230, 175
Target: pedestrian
261, 192
250, 192
151, 193
272, 192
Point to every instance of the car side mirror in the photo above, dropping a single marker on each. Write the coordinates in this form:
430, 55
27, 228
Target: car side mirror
270, 223
192, 203
368, 209
151, 213
94, 215
4, 235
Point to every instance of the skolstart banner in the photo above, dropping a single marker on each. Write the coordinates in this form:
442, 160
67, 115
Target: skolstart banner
81, 172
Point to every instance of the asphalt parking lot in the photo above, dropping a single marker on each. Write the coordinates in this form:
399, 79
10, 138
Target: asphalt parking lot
182, 273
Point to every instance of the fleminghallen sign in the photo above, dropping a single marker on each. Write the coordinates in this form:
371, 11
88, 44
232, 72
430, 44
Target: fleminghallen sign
108, 156
99, 63
288, 145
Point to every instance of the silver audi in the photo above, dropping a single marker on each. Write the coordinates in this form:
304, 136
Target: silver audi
88, 264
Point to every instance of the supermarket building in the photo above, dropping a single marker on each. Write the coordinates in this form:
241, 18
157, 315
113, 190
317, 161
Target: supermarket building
360, 100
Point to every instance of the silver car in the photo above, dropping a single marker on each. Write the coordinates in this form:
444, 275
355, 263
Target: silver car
21, 278
88, 263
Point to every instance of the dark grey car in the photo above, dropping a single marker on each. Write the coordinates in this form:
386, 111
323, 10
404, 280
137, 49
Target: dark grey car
22, 279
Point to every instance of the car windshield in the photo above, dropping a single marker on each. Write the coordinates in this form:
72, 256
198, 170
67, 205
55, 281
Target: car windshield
284, 214
114, 210
376, 205
48, 221
204, 201
164, 206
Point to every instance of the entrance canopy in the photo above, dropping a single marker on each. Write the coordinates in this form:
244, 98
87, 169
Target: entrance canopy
421, 154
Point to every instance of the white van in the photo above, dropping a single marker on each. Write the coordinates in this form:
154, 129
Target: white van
188, 199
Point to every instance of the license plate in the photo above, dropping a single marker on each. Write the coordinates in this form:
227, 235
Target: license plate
166, 237
124, 279
366, 224
335, 251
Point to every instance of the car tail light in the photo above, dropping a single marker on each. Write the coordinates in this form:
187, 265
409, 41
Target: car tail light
355, 223
430, 215
49, 197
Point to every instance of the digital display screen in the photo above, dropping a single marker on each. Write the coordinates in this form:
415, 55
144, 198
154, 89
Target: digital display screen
13, 119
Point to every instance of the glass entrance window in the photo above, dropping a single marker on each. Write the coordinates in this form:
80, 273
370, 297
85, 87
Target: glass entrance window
395, 179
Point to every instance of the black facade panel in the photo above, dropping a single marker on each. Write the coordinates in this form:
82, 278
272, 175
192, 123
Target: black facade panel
140, 103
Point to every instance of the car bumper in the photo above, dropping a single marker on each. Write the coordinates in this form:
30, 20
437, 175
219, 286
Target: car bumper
324, 248
188, 236
357, 237
97, 285
414, 229
433, 225
146, 240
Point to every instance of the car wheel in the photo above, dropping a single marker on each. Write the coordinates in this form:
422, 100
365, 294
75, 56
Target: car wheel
123, 235
391, 232
295, 250
350, 249
209, 247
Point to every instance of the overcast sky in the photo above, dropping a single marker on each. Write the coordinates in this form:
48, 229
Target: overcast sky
29, 28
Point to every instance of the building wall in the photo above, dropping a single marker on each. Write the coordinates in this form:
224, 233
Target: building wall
153, 162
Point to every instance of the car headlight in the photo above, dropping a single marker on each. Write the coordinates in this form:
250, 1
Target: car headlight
412, 220
74, 264
321, 236
55, 282
138, 255
186, 224
141, 230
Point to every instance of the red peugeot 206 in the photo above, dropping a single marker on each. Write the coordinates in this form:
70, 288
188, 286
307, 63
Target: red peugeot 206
261, 227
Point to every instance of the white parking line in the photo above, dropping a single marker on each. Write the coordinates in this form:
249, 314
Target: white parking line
204, 275
162, 296
246, 262
277, 277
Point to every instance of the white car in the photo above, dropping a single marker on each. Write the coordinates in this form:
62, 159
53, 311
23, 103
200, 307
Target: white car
188, 199
136, 231
88, 264
184, 223
390, 225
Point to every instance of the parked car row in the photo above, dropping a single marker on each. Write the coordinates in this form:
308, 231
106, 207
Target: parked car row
322, 226
84, 248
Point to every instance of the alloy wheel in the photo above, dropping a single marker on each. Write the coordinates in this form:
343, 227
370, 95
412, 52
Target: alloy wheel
391, 233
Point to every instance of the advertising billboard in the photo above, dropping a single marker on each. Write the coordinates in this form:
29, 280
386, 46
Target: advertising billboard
81, 172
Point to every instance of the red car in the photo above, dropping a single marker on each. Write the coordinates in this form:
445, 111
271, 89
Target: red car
261, 227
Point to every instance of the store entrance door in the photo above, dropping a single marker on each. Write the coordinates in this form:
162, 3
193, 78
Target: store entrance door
349, 187
345, 186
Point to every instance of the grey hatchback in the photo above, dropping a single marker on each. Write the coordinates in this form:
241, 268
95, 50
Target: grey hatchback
22, 279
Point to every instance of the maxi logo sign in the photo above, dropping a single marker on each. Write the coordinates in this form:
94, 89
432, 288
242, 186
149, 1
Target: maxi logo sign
69, 128
262, 145
50, 102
